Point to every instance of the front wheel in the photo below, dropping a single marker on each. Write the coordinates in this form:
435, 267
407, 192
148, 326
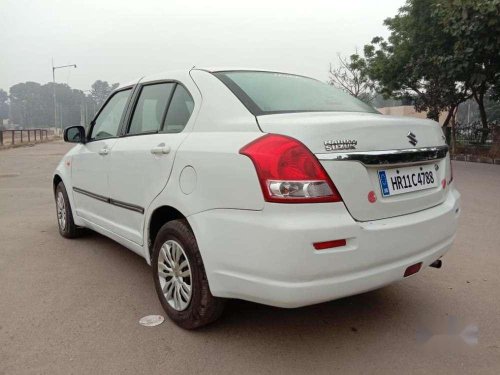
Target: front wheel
180, 279
67, 227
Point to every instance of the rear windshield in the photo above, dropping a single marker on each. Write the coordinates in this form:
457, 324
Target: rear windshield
266, 93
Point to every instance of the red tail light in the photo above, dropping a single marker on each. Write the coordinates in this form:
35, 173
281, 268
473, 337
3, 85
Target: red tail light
288, 172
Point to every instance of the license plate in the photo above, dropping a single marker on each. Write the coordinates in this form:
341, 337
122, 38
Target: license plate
407, 179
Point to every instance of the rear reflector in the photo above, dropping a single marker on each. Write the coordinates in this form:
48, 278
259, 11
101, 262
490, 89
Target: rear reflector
372, 197
413, 269
329, 244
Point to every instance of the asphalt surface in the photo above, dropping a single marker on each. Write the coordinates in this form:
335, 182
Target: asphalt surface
73, 306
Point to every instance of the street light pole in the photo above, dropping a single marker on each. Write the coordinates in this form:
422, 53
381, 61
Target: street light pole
86, 107
54, 88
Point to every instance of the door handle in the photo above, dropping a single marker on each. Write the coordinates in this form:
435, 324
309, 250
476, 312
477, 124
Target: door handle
161, 149
104, 151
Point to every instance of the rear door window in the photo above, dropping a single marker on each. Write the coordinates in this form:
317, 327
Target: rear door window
150, 108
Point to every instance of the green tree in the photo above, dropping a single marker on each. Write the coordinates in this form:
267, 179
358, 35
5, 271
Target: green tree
32, 104
4, 105
351, 75
100, 90
474, 28
27, 109
417, 62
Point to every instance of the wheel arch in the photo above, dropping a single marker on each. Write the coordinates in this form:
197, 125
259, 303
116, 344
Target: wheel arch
58, 177
55, 181
159, 217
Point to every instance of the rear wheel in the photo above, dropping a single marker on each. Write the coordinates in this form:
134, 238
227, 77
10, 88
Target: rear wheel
180, 279
67, 227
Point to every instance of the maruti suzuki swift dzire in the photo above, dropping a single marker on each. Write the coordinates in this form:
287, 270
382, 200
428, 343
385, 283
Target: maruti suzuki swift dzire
263, 186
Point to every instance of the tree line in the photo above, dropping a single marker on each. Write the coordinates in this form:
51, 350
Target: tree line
439, 54
31, 104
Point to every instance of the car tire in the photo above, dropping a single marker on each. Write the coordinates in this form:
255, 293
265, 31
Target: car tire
65, 223
172, 282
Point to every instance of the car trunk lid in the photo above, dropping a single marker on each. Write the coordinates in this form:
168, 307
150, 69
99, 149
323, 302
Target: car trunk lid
354, 147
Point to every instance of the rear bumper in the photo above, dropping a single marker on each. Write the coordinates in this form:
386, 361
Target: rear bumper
267, 256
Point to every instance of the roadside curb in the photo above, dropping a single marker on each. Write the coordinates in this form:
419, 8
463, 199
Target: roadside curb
475, 159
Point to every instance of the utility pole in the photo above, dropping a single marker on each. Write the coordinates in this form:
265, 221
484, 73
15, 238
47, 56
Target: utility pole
54, 88
85, 118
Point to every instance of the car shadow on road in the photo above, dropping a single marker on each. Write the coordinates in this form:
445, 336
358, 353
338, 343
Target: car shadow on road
392, 310
351, 314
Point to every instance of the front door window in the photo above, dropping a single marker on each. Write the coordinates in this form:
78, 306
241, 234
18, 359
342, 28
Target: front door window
107, 123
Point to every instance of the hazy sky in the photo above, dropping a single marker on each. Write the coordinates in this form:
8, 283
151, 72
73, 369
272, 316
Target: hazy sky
119, 40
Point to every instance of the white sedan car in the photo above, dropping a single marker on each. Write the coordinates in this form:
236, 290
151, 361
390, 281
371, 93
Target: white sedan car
264, 186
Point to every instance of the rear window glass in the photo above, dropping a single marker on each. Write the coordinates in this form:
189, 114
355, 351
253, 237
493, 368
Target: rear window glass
268, 93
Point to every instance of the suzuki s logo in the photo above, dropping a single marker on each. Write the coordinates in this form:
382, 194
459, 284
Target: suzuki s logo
412, 138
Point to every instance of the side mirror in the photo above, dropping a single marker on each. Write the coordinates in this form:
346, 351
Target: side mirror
74, 134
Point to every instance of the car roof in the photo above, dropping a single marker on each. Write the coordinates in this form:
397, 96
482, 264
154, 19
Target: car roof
239, 68
180, 74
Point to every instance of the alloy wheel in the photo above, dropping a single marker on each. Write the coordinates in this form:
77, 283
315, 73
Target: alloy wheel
174, 273
61, 210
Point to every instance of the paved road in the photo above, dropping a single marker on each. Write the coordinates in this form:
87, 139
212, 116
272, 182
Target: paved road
72, 306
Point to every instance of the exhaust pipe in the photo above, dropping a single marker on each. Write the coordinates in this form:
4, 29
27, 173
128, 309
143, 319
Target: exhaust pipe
436, 264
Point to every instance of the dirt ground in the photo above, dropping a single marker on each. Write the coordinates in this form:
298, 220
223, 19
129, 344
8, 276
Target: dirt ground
73, 306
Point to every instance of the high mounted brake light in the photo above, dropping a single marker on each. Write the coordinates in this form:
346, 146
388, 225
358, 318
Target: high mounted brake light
288, 172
